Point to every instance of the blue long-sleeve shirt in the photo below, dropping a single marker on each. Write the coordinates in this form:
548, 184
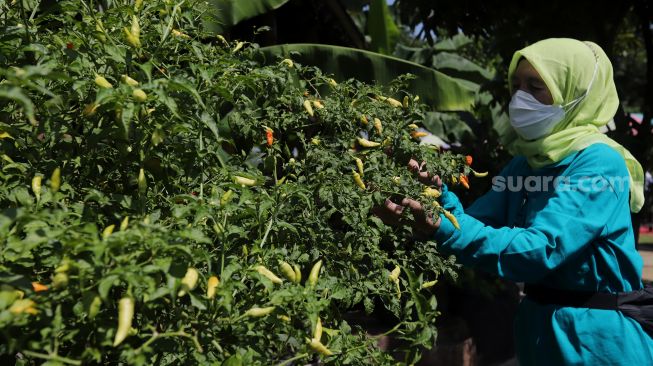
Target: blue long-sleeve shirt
576, 235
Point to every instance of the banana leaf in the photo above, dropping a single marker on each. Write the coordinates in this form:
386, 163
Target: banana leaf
453, 44
228, 13
382, 28
450, 63
441, 92
448, 126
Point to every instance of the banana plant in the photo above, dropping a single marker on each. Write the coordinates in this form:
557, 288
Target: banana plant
382, 28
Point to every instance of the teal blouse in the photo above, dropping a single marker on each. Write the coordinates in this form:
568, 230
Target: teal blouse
576, 235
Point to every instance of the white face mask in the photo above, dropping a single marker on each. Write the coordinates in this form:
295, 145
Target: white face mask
533, 119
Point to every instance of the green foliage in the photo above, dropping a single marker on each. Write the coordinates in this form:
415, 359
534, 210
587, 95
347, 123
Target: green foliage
439, 91
148, 188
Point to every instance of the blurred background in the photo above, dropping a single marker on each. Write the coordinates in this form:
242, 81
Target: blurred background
460, 52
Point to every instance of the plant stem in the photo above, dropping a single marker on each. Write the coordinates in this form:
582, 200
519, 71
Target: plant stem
288, 361
267, 230
50, 357
180, 333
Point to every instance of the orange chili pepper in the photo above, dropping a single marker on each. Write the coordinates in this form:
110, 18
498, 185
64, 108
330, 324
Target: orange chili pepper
38, 287
468, 160
464, 181
269, 136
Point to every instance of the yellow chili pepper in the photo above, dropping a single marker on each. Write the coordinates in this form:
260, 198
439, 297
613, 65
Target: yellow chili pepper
393, 102
268, 274
226, 197
108, 231
139, 95
287, 270
358, 180
394, 275
431, 192
317, 334
102, 82
189, 281
308, 108
60, 280
222, 39
359, 165
94, 307
429, 284
318, 347
136, 27
298, 274
366, 143
36, 186
55, 180
133, 40
128, 80
23, 306
124, 223
452, 218
142, 182
125, 317
211, 286
244, 181
180, 34
314, 274
257, 312
239, 45
288, 62
378, 126
479, 175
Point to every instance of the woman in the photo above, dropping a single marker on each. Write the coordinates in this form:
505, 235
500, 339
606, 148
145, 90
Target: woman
571, 239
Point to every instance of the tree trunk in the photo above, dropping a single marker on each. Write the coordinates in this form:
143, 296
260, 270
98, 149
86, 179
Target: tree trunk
645, 11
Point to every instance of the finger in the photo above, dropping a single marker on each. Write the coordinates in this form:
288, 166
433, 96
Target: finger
387, 217
416, 208
393, 207
413, 166
437, 181
425, 178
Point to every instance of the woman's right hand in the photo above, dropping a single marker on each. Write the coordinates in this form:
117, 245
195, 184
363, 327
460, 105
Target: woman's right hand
390, 213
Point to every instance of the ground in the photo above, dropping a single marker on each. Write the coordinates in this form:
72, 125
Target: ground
646, 251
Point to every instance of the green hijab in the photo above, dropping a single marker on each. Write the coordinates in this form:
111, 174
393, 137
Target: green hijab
566, 66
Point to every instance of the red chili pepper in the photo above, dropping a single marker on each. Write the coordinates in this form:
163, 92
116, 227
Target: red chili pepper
468, 160
269, 136
70, 45
464, 181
